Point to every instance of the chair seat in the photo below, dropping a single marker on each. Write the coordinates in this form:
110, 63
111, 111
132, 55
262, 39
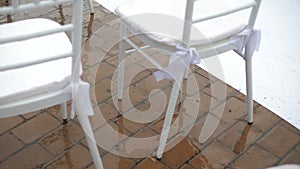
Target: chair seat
166, 18
39, 78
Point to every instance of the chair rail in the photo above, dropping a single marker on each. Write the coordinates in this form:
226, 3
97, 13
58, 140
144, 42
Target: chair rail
29, 63
239, 8
50, 31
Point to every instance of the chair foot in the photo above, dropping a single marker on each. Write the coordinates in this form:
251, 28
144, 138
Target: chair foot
65, 121
158, 158
250, 123
92, 13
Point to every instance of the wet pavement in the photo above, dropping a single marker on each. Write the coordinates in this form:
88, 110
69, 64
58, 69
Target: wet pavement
40, 140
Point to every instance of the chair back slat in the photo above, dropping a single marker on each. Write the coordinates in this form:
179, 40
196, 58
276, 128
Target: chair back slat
189, 20
233, 10
49, 31
75, 27
37, 61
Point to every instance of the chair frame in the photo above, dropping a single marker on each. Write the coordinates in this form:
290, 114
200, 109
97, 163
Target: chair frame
205, 51
60, 96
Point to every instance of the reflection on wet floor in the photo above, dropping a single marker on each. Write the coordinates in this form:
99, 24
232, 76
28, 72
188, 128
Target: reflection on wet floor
90, 25
204, 163
241, 143
61, 14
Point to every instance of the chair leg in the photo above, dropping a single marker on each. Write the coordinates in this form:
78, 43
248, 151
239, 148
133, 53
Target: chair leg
169, 116
121, 66
249, 90
85, 123
64, 113
90, 3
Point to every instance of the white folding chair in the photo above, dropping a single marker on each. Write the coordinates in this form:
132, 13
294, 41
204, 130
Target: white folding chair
40, 66
208, 27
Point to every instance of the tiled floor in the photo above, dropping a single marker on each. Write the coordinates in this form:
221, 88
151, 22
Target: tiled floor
40, 140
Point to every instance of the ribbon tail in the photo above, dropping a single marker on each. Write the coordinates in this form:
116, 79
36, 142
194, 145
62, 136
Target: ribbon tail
81, 102
252, 44
249, 39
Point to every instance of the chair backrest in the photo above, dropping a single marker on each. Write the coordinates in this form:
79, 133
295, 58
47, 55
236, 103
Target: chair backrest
75, 27
190, 20
16, 37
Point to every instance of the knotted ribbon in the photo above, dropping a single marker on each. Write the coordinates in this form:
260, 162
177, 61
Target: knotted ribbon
178, 63
81, 99
248, 39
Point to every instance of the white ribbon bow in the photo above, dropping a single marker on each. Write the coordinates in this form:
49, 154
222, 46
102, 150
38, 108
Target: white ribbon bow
249, 39
178, 63
81, 99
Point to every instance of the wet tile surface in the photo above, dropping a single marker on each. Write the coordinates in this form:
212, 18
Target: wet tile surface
40, 140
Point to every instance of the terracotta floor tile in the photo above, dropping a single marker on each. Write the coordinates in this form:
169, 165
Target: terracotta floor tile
129, 125
186, 166
9, 122
132, 96
180, 123
221, 90
92, 26
104, 70
255, 158
132, 74
55, 110
292, 158
200, 161
112, 161
290, 127
109, 18
100, 150
240, 137
62, 138
145, 133
151, 163
96, 73
195, 83
234, 110
108, 112
214, 156
206, 103
264, 119
150, 83
130, 59
279, 140
91, 58
8, 145
298, 147
113, 133
202, 72
76, 157
38, 126
33, 156
180, 154
161, 58
92, 44
197, 128
30, 115
101, 91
